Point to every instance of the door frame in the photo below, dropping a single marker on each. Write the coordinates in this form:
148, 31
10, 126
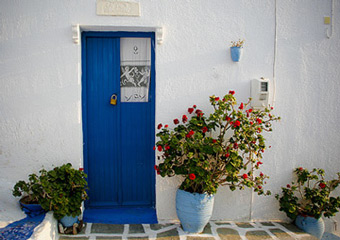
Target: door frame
152, 92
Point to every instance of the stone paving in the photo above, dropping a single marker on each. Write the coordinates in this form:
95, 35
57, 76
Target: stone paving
172, 231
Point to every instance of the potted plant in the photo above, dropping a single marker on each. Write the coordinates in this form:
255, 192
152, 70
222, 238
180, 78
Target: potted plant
224, 148
308, 198
65, 190
236, 50
30, 192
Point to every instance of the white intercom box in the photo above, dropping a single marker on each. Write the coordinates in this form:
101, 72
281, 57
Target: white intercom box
260, 93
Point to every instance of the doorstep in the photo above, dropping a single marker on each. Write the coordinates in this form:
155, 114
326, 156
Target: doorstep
215, 230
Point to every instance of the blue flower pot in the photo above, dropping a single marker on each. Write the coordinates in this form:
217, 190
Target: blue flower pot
31, 210
236, 53
311, 225
193, 210
68, 221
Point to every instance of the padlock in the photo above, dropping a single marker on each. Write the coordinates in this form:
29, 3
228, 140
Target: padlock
113, 100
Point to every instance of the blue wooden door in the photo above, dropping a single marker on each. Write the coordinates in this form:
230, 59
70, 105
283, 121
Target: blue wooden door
118, 139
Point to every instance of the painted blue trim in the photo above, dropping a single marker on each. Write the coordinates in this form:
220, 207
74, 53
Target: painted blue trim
84, 105
153, 110
22, 229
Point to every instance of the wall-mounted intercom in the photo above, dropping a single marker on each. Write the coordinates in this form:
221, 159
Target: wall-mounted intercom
260, 93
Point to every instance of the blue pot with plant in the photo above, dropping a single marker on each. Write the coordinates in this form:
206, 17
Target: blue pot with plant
31, 193
308, 198
236, 50
209, 151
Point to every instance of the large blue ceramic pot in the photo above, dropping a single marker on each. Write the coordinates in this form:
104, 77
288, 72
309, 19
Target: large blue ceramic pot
311, 225
236, 53
193, 210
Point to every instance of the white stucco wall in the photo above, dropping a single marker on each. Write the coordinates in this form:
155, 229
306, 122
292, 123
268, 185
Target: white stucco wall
40, 91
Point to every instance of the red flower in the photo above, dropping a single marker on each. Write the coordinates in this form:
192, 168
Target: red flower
300, 168
227, 155
204, 129
261, 174
154, 147
260, 187
241, 106
259, 130
159, 126
176, 121
199, 113
251, 123
227, 118
235, 145
158, 172
250, 110
271, 108
288, 186
184, 118
217, 98
259, 163
194, 106
192, 176
190, 110
322, 185
81, 169
155, 167
167, 147
166, 126
159, 148
189, 135
259, 121
214, 140
232, 92
237, 123
245, 176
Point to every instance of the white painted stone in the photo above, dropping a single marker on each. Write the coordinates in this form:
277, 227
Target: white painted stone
47, 229
40, 89
118, 8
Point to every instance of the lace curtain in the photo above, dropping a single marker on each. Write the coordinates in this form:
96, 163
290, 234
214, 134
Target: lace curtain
135, 69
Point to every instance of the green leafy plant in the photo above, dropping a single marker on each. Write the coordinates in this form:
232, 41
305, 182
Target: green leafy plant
238, 43
30, 191
222, 149
309, 195
64, 190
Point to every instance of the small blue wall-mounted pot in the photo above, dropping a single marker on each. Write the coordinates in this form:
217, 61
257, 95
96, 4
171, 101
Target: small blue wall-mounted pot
236, 53
311, 225
194, 210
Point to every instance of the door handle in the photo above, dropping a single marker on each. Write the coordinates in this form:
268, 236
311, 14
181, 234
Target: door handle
113, 99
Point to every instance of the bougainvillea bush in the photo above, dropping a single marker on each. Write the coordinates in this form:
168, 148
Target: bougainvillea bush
224, 148
309, 195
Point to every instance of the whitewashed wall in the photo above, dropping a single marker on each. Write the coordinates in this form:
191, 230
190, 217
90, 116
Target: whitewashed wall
40, 91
